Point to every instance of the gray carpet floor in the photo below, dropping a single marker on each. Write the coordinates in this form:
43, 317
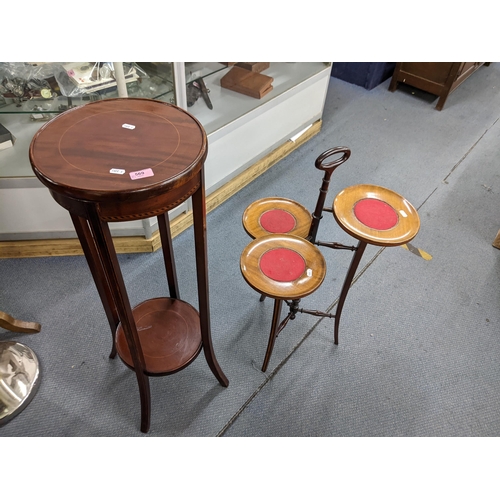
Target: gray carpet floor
419, 339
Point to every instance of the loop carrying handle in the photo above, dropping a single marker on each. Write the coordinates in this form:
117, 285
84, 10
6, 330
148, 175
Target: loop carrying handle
328, 168
320, 161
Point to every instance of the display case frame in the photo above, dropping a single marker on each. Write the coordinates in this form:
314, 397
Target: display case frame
246, 136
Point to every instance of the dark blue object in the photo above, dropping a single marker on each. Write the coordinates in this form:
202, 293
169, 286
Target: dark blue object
364, 74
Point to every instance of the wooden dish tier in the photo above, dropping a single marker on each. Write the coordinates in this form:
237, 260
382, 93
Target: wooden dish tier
169, 334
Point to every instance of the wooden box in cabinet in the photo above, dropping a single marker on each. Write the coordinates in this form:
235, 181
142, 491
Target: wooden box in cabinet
438, 78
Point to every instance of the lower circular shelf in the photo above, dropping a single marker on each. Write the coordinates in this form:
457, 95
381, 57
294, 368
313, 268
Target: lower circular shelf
169, 332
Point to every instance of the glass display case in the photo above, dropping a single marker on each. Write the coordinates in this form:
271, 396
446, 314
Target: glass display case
32, 93
242, 130
229, 106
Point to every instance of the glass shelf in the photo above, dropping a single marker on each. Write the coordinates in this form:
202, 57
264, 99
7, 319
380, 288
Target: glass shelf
40, 105
154, 82
196, 70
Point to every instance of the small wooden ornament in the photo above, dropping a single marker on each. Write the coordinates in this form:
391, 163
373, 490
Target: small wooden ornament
247, 82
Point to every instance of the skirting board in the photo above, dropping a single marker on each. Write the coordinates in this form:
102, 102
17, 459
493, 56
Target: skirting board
139, 244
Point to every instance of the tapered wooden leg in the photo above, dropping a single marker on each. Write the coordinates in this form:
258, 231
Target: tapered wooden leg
272, 334
111, 267
200, 237
168, 255
92, 254
356, 258
395, 78
441, 101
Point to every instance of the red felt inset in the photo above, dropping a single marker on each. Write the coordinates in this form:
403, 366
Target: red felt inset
375, 214
277, 221
282, 264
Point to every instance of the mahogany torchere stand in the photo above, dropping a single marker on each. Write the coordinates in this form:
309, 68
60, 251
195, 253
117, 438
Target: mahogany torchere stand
122, 160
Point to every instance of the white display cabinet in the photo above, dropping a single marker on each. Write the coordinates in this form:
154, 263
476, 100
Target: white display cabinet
241, 130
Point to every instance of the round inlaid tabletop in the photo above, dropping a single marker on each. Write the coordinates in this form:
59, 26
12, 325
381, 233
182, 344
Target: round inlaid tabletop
119, 149
376, 215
